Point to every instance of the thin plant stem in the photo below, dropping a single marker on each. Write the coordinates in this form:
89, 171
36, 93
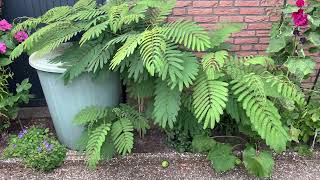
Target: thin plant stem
314, 139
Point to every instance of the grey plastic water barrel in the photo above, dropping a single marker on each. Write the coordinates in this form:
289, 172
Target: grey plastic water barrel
65, 101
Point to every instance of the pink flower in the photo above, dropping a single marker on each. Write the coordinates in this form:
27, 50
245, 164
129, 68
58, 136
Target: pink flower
4, 25
21, 36
300, 3
300, 18
3, 48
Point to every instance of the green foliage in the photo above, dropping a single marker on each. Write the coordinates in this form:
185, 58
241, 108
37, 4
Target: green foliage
123, 136
210, 97
96, 138
37, 149
189, 34
262, 113
203, 144
109, 130
167, 104
221, 157
300, 67
223, 33
260, 164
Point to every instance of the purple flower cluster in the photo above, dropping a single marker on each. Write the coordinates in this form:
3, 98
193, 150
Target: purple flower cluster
22, 133
300, 18
48, 146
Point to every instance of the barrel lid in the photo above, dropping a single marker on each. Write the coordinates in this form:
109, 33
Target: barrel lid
42, 61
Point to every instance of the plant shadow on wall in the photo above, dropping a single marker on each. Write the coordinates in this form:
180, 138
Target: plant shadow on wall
185, 94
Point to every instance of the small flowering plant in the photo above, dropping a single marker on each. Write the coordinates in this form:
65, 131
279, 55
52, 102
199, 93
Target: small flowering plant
37, 149
298, 31
9, 101
9, 41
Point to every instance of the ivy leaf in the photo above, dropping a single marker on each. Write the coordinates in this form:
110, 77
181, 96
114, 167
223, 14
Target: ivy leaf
314, 38
276, 44
221, 157
260, 164
301, 67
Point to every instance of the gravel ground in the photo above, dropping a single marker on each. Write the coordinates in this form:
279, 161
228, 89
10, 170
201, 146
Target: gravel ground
148, 166
145, 163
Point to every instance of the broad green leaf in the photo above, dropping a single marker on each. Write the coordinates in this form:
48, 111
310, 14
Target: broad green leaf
5, 61
276, 44
314, 21
260, 164
300, 67
222, 158
314, 37
290, 9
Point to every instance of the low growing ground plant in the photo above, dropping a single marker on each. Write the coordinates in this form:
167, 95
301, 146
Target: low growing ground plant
37, 149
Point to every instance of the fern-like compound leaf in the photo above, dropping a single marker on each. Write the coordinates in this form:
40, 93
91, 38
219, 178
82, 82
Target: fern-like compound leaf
188, 34
210, 97
90, 114
262, 113
167, 104
126, 50
122, 135
153, 46
213, 62
181, 68
96, 140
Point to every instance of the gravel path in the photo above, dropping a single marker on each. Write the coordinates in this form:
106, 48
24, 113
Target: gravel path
148, 166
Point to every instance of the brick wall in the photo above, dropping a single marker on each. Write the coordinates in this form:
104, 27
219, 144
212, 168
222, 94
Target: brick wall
256, 14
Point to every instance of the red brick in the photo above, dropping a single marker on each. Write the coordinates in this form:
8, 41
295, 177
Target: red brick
206, 19
246, 47
264, 40
231, 18
208, 26
265, 25
245, 40
275, 18
235, 48
252, 11
183, 3
200, 11
263, 33
246, 53
271, 3
244, 34
247, 3
225, 3
260, 47
256, 18
204, 3
179, 11
226, 11
176, 18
